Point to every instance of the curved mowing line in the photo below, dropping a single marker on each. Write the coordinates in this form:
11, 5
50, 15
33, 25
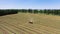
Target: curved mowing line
41, 30
3, 31
6, 28
28, 29
45, 30
15, 32
25, 28
36, 29
21, 29
16, 28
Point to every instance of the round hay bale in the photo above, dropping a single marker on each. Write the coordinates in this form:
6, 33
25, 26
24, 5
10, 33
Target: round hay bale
30, 22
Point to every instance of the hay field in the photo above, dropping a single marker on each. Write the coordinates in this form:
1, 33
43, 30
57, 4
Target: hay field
19, 24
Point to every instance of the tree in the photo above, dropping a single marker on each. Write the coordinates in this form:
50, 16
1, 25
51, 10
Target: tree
30, 10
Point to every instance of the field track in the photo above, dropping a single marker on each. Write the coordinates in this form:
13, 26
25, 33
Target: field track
18, 24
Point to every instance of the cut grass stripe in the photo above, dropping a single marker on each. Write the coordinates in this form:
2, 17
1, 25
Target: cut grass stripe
31, 30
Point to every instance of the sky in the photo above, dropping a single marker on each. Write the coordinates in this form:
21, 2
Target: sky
29, 4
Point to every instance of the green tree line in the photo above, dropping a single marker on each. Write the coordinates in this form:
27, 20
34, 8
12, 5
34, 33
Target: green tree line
35, 11
45, 11
6, 12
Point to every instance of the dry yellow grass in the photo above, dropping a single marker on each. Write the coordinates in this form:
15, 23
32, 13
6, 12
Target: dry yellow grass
19, 24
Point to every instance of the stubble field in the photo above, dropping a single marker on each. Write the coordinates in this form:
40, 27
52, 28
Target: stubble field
19, 24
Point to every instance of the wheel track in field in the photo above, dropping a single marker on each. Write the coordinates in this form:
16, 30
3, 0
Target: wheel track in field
2, 31
15, 30
44, 29
35, 30
30, 31
7, 30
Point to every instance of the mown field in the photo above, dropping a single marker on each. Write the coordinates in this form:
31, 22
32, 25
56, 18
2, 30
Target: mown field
19, 24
